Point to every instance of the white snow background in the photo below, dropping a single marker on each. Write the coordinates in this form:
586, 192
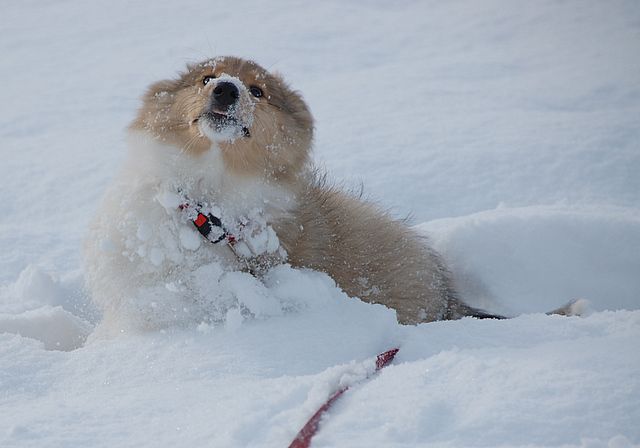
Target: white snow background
510, 130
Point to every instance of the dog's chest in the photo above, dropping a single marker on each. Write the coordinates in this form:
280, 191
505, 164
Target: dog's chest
155, 231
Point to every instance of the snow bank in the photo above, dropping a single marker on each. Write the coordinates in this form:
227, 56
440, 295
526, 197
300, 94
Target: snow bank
445, 110
534, 259
53, 311
532, 381
56, 328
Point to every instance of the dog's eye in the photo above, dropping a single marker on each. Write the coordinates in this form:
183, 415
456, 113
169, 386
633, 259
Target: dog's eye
256, 91
208, 78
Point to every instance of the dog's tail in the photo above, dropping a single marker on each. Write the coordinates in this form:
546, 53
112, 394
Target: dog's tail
461, 310
576, 307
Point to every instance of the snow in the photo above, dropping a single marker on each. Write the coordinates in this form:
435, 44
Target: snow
544, 256
508, 130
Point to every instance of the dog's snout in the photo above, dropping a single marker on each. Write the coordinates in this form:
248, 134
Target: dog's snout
225, 94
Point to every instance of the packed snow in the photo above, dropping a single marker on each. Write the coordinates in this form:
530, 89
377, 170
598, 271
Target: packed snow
507, 130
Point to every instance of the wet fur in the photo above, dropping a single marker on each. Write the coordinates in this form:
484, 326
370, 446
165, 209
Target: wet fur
369, 254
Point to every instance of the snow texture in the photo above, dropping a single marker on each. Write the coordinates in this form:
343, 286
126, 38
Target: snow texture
507, 129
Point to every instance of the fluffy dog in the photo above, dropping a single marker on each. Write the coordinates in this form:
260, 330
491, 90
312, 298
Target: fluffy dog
229, 143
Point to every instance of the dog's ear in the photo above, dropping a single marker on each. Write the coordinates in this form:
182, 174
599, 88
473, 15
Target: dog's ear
294, 104
158, 97
161, 91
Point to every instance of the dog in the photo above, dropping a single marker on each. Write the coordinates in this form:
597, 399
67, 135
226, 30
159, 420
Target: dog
220, 169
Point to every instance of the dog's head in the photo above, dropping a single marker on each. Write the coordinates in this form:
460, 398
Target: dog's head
251, 115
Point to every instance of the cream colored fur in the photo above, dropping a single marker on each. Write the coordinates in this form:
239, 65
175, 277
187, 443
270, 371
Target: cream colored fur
368, 254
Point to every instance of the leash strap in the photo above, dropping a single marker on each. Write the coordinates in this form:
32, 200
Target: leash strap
303, 439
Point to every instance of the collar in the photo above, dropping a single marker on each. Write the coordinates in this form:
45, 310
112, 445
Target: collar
209, 225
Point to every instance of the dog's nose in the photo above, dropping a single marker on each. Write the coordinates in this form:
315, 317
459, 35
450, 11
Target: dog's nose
225, 94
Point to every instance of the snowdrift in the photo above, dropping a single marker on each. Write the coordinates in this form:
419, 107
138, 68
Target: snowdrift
508, 130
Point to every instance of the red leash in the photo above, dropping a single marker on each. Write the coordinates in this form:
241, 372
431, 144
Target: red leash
303, 439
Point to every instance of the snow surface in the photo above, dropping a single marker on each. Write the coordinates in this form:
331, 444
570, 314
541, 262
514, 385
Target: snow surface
508, 129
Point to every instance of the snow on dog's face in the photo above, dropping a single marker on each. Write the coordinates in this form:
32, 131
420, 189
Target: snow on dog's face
260, 124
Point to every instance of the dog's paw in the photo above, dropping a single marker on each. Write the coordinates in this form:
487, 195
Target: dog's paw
256, 239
